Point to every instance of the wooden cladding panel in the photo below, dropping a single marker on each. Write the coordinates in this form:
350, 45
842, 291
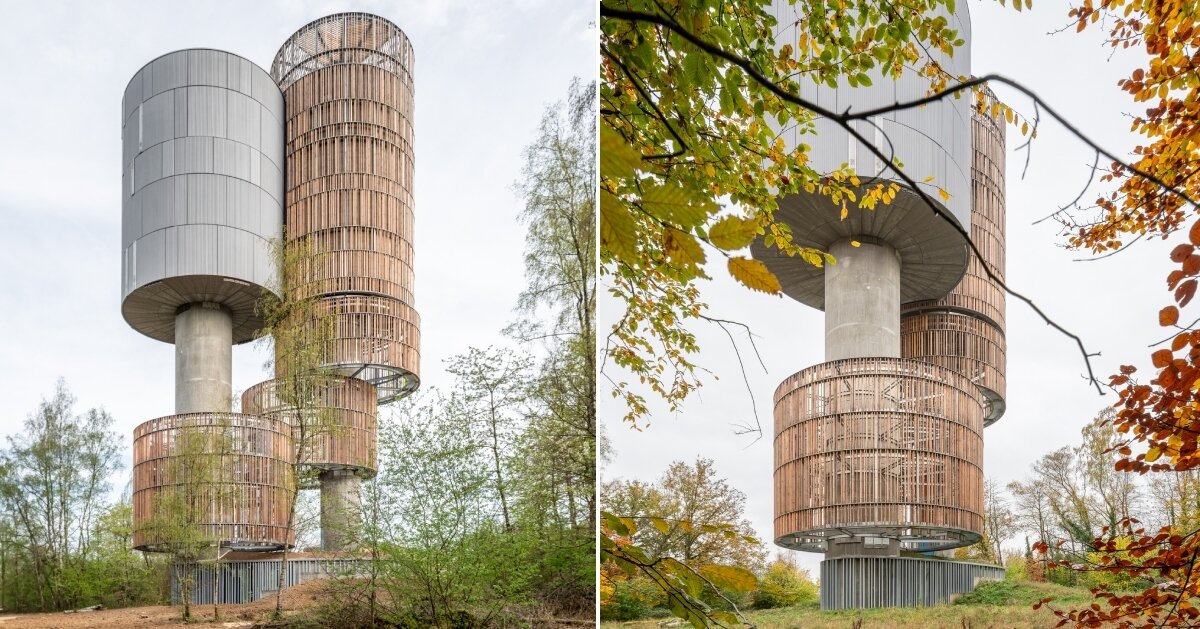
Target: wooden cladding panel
873, 445
966, 344
349, 442
248, 502
375, 339
349, 140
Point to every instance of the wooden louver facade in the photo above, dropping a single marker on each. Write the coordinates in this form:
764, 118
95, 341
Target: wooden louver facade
345, 438
348, 93
965, 329
878, 446
244, 497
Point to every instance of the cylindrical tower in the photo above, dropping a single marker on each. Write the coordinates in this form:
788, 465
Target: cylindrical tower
348, 86
202, 199
879, 451
223, 475
965, 329
348, 89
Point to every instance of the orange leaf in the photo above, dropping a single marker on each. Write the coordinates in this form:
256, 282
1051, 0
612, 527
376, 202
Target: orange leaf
1194, 233
1185, 292
1168, 316
1161, 358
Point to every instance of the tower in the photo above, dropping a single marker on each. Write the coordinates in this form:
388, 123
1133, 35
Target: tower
879, 450
220, 159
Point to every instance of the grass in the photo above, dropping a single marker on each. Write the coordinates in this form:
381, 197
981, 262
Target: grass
999, 605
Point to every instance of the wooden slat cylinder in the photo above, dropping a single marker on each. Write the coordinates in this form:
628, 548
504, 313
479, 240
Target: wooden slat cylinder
878, 446
965, 329
249, 496
348, 88
347, 440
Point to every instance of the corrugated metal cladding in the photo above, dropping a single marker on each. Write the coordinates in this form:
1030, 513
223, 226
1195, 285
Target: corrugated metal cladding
934, 140
202, 188
247, 581
864, 582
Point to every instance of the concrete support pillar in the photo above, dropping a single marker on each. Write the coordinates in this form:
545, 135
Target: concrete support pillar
862, 301
203, 359
341, 509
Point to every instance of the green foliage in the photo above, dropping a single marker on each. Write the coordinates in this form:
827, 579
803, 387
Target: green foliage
632, 599
783, 584
53, 479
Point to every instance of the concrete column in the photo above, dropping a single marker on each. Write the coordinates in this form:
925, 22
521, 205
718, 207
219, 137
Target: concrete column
341, 509
203, 359
862, 301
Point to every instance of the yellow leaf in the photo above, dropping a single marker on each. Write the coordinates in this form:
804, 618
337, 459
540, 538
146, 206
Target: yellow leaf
661, 525
683, 249
709, 170
928, 179
732, 578
617, 232
855, 243
845, 212
1024, 128
754, 275
1152, 454
733, 232
617, 158
945, 195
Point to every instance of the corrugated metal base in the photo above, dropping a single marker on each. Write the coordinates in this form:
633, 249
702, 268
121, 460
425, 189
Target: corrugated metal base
242, 581
863, 582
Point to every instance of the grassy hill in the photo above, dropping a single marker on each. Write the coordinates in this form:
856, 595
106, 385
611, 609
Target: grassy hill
1001, 605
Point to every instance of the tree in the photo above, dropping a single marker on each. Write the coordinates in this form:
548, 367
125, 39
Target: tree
300, 331
491, 389
998, 518
53, 479
688, 534
784, 584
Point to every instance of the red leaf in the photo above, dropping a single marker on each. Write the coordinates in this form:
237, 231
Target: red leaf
1194, 233
1168, 316
1180, 253
1161, 358
1185, 292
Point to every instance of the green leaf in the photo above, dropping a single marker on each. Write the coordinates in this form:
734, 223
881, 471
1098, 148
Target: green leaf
614, 524
674, 204
733, 232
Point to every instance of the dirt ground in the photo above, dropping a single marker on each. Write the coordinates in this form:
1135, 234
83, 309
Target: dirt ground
164, 616
232, 616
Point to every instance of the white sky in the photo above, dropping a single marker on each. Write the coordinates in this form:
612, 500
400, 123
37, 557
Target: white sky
484, 74
1111, 303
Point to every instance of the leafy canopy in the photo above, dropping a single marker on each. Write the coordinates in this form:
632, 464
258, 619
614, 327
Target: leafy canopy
685, 130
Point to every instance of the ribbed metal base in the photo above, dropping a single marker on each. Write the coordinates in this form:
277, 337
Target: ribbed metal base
864, 582
241, 581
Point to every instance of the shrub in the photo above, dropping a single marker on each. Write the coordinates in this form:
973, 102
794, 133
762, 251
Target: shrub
785, 585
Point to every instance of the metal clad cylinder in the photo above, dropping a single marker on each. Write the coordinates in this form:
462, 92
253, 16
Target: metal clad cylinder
245, 491
932, 141
202, 189
347, 81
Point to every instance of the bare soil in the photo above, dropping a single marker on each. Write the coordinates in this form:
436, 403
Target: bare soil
246, 615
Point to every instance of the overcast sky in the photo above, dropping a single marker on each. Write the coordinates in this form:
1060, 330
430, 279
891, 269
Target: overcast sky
1111, 304
485, 71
